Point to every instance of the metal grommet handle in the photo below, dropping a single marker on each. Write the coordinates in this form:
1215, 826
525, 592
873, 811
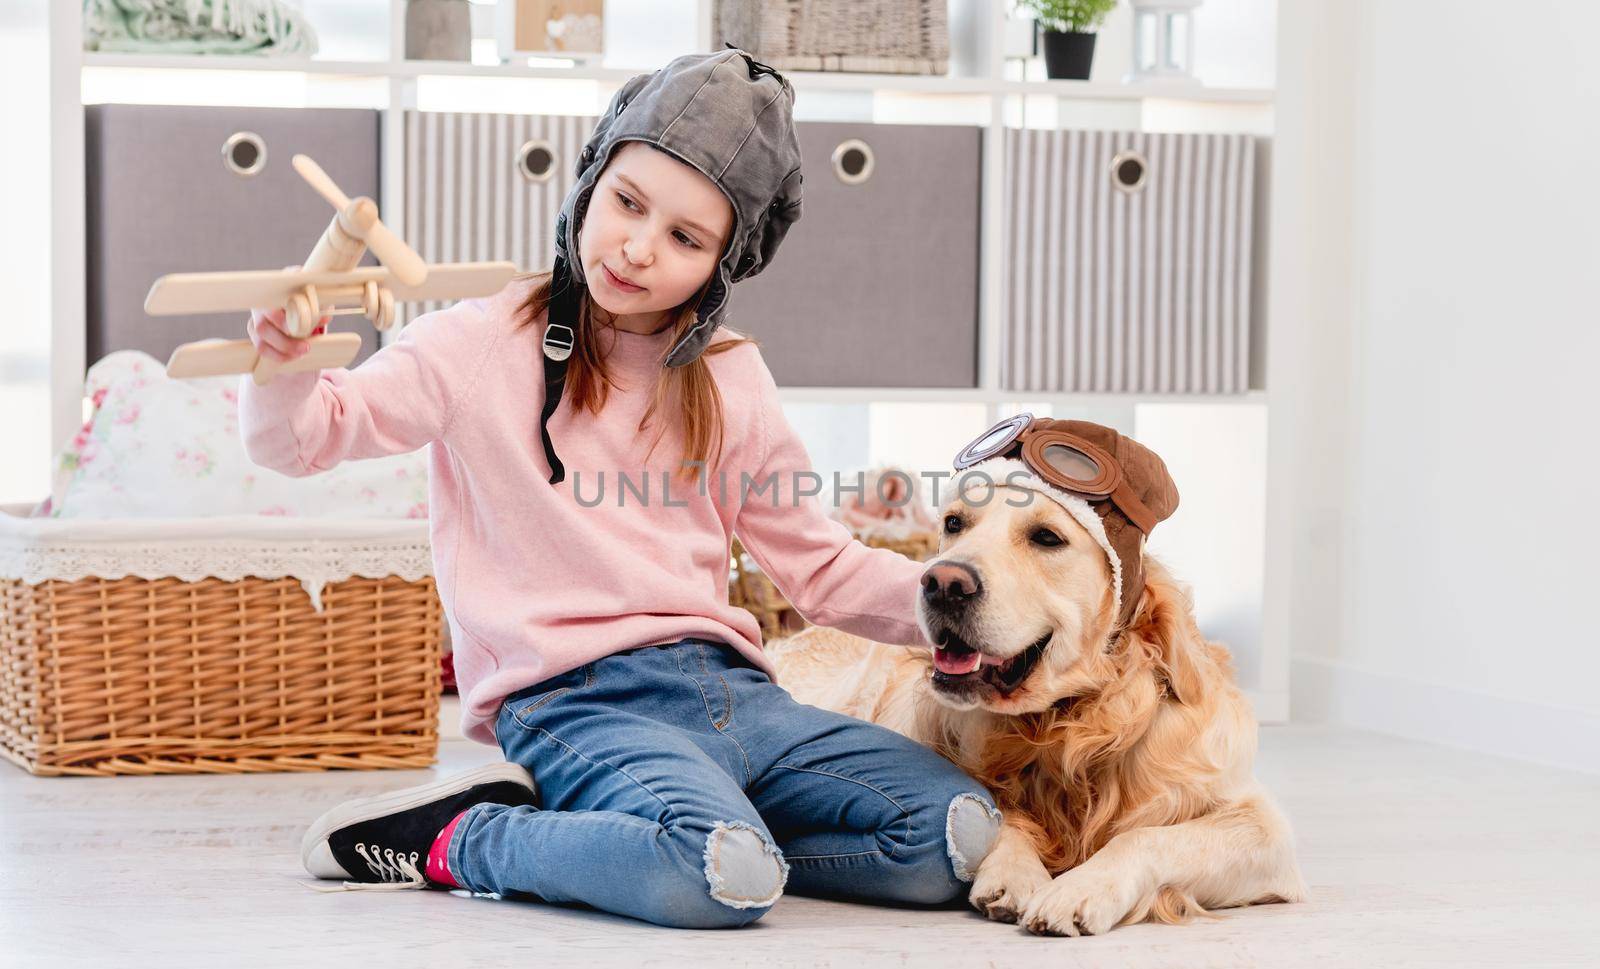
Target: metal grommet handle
536, 160
1129, 171
245, 153
853, 161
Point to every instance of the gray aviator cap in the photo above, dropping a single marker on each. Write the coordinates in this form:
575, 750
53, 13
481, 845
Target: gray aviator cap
728, 116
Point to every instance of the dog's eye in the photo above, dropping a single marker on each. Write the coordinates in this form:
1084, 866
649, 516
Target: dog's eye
952, 524
1047, 538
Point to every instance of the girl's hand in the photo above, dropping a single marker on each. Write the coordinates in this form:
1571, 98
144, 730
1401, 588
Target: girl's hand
271, 338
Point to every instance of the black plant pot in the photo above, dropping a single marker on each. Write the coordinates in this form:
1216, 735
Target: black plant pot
1068, 55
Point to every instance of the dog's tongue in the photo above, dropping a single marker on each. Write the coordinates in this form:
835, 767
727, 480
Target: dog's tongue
956, 662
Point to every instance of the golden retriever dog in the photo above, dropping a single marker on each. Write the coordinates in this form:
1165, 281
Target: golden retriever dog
1122, 762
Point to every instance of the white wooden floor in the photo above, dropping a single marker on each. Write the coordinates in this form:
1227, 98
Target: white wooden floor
1416, 855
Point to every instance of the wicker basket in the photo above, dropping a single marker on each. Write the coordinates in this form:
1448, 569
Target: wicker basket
750, 589
164, 675
869, 36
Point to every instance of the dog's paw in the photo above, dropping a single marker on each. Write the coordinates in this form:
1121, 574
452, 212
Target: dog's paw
1001, 891
1083, 901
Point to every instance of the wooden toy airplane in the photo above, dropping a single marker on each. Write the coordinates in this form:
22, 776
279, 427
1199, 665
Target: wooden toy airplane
328, 279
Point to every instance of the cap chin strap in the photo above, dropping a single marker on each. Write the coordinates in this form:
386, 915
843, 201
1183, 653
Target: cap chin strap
560, 335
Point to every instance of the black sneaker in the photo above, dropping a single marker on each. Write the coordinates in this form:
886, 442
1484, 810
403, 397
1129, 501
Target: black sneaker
383, 840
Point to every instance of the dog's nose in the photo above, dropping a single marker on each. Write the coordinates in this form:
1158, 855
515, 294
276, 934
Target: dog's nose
946, 583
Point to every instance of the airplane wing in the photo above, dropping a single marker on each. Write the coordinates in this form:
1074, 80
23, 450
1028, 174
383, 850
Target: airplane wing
457, 280
218, 292
211, 358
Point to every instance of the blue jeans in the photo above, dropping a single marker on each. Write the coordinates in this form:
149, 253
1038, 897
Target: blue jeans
678, 784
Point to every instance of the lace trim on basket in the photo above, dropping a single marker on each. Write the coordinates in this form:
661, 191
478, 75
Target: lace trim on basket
315, 564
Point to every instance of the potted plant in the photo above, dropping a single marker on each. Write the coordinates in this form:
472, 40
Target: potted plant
1069, 33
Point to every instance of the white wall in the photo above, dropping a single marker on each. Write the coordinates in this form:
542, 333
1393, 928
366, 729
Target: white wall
1442, 257
25, 246
1217, 455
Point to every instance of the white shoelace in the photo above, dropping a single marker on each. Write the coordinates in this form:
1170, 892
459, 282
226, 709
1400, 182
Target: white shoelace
396, 872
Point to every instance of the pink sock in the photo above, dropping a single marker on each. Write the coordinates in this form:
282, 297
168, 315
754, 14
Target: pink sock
438, 869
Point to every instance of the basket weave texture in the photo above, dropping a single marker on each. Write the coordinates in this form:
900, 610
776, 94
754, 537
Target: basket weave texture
164, 676
752, 590
870, 36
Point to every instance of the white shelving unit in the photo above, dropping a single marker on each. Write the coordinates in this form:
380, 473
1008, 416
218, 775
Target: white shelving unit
978, 76
803, 80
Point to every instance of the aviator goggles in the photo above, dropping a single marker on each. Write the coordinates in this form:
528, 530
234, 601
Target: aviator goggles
1062, 459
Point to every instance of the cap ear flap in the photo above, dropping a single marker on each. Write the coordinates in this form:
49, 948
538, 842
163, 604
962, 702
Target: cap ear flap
783, 212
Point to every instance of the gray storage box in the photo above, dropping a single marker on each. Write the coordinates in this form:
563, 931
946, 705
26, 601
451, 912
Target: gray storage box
164, 197
876, 285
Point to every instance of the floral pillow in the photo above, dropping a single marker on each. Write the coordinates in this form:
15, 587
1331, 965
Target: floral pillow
156, 447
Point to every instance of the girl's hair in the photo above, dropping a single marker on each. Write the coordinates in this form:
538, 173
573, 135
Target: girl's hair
689, 389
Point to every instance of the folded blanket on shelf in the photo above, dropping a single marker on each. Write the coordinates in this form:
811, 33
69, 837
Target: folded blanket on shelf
196, 27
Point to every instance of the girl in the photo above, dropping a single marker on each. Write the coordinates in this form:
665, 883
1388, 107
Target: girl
587, 591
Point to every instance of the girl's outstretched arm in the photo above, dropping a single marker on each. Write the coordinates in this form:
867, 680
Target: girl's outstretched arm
830, 578
402, 397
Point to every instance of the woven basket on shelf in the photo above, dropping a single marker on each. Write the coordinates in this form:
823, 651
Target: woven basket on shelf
869, 36
750, 589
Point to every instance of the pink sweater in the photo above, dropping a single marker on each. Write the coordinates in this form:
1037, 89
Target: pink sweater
537, 580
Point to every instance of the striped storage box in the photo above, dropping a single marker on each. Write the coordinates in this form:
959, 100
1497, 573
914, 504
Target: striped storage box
487, 186
1128, 262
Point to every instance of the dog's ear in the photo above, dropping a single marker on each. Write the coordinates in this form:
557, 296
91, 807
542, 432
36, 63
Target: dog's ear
1164, 631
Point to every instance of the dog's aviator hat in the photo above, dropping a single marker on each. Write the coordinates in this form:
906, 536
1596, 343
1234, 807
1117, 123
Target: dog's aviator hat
1115, 487
730, 118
